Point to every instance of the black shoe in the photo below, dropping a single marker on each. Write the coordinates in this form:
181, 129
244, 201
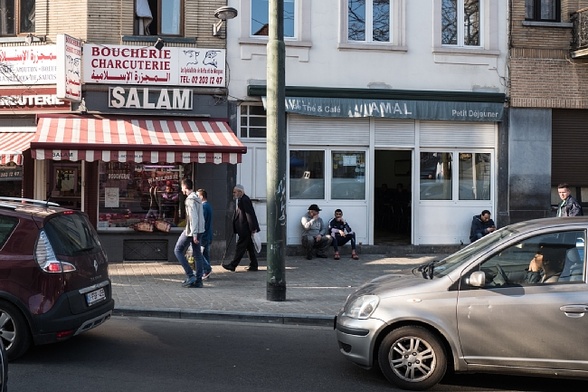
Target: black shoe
197, 284
252, 269
309, 256
321, 255
229, 267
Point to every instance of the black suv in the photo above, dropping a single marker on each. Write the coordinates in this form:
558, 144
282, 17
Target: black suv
54, 280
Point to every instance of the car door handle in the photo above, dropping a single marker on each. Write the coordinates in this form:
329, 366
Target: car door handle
574, 310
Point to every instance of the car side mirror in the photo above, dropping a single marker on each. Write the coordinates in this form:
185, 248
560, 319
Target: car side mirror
477, 279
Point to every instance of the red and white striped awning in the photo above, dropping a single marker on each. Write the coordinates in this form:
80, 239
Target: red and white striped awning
12, 144
120, 139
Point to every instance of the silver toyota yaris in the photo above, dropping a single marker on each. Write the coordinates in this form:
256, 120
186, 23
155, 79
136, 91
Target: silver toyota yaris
513, 302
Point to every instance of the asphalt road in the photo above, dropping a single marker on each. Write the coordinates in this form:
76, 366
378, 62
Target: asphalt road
154, 354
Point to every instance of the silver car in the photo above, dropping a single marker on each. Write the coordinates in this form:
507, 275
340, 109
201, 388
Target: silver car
513, 302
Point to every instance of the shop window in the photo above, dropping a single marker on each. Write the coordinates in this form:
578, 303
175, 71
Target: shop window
542, 10
474, 176
436, 174
348, 179
368, 20
253, 121
307, 174
159, 17
132, 192
11, 180
460, 22
260, 18
17, 17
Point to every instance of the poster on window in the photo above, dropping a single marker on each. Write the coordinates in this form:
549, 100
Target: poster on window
111, 198
185, 66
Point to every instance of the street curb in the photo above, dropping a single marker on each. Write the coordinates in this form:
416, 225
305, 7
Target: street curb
218, 315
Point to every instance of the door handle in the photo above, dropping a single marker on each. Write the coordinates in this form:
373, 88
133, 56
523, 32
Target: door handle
574, 311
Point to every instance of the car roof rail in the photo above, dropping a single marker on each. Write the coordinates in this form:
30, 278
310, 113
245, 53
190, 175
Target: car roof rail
42, 203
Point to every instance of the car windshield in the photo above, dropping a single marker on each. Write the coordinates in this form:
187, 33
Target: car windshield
448, 264
70, 234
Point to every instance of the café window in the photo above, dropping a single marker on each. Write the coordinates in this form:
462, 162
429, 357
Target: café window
307, 174
11, 180
133, 192
437, 180
348, 179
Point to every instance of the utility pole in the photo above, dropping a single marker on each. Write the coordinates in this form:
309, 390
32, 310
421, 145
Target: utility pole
276, 154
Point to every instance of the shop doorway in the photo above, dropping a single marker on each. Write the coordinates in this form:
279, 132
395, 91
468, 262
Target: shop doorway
392, 197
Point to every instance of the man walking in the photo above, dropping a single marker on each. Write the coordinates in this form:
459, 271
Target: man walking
568, 206
244, 225
189, 237
206, 237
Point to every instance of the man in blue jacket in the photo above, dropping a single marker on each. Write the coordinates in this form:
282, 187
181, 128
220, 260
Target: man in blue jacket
481, 225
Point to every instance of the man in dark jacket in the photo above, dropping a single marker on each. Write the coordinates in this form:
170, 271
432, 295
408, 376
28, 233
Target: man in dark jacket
244, 225
481, 225
568, 206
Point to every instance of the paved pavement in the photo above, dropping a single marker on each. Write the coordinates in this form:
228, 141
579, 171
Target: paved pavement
315, 289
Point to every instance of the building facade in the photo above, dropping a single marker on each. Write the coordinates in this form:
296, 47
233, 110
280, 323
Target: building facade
109, 120
548, 105
395, 112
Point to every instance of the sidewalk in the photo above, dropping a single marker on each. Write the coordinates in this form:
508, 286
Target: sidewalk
315, 289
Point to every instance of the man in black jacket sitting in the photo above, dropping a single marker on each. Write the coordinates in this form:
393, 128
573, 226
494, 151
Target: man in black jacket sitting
481, 225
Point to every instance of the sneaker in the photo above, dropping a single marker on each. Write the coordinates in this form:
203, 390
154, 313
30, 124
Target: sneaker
206, 274
189, 282
196, 284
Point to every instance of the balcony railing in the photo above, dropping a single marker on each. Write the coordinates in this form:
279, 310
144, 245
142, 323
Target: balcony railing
580, 33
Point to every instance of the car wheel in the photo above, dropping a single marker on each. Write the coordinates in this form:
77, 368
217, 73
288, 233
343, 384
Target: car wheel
14, 331
412, 358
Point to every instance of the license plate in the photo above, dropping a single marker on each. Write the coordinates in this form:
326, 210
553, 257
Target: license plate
95, 296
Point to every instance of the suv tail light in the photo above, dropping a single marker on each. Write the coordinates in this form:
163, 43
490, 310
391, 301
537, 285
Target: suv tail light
46, 257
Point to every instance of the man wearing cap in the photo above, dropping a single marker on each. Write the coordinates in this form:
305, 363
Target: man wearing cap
314, 236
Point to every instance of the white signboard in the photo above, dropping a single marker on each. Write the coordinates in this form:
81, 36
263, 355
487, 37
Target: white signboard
120, 64
69, 68
28, 65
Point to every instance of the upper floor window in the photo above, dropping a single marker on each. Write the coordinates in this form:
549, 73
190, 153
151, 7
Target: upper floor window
159, 17
453, 14
542, 10
17, 17
260, 18
368, 20
252, 121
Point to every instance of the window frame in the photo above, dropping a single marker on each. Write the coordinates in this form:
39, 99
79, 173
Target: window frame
328, 175
396, 29
453, 187
156, 12
295, 28
17, 20
369, 22
460, 25
246, 117
537, 7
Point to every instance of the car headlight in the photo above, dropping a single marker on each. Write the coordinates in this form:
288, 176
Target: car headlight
361, 307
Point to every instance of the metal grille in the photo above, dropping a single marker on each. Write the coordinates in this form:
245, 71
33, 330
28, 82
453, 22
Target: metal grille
145, 250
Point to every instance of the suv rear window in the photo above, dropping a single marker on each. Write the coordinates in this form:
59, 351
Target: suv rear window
7, 225
70, 234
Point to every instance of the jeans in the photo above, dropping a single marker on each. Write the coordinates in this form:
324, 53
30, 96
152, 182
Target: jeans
205, 248
180, 252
